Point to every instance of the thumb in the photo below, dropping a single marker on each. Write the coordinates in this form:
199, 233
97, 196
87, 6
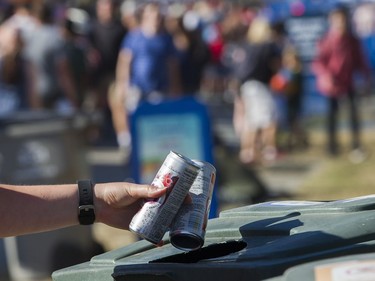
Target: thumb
119, 195
145, 191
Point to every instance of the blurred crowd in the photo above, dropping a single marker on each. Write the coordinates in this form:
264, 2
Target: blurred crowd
110, 55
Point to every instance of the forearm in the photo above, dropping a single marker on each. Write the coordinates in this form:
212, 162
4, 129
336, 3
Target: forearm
30, 209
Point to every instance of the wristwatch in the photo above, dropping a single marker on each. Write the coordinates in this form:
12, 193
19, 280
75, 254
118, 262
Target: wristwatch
86, 210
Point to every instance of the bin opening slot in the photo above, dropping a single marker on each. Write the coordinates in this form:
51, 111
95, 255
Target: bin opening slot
209, 252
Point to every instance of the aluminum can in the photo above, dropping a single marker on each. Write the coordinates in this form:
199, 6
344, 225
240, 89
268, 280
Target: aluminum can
188, 229
177, 174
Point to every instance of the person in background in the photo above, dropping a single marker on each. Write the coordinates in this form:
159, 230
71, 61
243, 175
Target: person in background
72, 65
234, 57
147, 70
22, 21
288, 82
339, 57
38, 208
254, 108
41, 51
193, 52
215, 74
128, 14
17, 77
105, 36
364, 23
17, 80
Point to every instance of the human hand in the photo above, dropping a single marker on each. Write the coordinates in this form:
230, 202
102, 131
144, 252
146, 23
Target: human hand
116, 203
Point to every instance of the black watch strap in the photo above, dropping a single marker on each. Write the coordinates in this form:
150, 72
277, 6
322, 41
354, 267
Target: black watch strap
86, 211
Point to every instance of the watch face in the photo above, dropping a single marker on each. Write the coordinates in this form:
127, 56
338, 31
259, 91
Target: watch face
86, 216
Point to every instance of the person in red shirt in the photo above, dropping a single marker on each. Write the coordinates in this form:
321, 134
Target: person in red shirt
339, 57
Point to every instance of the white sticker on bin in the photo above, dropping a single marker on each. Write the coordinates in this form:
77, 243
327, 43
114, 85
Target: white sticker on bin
346, 271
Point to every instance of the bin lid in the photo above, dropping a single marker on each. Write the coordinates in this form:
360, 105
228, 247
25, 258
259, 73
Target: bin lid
258, 242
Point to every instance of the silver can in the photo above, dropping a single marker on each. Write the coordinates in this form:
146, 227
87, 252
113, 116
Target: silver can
177, 174
188, 229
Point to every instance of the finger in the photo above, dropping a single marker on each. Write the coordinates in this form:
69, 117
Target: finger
146, 191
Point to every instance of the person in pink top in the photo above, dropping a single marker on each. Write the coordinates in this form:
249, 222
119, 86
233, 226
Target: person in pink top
339, 57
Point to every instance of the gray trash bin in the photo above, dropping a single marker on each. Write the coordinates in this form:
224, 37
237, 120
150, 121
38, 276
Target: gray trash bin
255, 242
44, 148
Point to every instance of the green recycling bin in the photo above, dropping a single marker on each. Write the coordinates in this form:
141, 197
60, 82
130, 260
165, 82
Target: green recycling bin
256, 242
